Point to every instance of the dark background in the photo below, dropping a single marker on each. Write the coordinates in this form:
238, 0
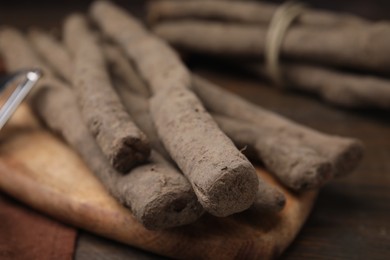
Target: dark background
351, 219
49, 13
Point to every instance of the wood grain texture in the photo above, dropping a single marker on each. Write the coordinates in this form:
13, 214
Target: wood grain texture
98, 248
44, 173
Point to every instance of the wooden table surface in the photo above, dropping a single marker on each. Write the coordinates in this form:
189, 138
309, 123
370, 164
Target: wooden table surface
351, 219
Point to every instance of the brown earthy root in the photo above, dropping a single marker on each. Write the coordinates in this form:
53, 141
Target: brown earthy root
158, 64
268, 199
241, 12
75, 31
119, 138
121, 67
52, 52
295, 165
56, 54
223, 179
239, 28
161, 197
158, 195
138, 108
59, 57
16, 53
343, 153
353, 47
341, 88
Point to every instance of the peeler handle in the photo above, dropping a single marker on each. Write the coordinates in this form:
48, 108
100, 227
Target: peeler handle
28, 80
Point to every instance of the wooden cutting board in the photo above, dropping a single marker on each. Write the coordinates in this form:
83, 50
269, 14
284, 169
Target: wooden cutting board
37, 168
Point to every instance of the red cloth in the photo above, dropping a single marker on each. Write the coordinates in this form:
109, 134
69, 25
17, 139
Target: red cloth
27, 234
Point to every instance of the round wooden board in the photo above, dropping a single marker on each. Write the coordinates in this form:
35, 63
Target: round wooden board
40, 170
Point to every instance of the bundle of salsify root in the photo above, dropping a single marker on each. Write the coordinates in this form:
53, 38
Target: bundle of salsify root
342, 58
164, 142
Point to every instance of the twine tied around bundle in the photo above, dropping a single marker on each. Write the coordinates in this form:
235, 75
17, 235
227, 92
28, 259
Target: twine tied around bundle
282, 19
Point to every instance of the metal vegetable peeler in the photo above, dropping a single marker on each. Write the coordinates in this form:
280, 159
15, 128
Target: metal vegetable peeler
15, 88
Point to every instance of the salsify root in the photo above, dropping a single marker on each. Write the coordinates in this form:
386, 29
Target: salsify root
158, 195
223, 179
138, 108
246, 12
341, 46
295, 165
268, 199
343, 153
119, 138
53, 52
338, 87
239, 29
121, 67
